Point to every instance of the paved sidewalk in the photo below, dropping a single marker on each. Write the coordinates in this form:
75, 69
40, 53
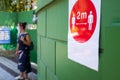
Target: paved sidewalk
8, 70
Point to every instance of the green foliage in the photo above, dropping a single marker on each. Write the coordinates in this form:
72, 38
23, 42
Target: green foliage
9, 47
17, 5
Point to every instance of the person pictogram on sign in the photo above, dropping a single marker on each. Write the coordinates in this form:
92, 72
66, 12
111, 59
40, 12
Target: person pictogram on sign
73, 21
90, 20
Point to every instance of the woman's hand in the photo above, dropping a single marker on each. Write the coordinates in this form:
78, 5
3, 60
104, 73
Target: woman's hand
16, 52
22, 38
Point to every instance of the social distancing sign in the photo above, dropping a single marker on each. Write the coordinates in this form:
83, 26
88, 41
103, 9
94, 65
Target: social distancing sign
83, 33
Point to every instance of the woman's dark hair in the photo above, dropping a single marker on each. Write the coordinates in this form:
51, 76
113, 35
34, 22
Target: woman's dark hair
23, 24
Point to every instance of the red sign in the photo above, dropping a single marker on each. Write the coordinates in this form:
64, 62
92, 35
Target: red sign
83, 20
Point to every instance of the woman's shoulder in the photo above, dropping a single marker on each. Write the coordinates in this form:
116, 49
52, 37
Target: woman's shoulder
26, 33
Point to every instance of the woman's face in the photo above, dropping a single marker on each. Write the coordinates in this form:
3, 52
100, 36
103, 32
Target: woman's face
20, 27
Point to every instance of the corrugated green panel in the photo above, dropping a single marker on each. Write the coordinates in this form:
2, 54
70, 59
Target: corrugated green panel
48, 53
43, 3
26, 16
4, 17
69, 70
51, 76
57, 20
14, 17
33, 53
42, 71
111, 56
38, 48
42, 23
7, 18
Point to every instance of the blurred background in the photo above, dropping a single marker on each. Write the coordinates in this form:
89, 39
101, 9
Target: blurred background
17, 5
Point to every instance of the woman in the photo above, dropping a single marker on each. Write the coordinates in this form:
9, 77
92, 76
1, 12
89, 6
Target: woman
23, 52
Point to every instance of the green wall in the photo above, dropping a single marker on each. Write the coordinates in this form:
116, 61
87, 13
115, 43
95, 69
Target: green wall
109, 40
7, 18
25, 16
53, 63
